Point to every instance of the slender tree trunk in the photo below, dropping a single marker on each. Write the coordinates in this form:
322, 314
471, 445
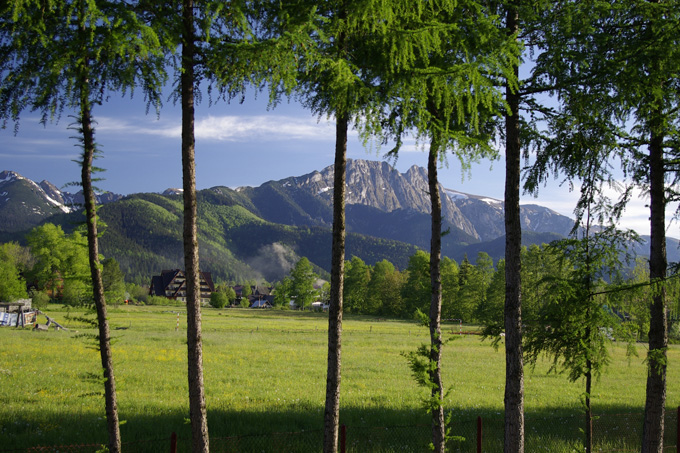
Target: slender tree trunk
89, 148
95, 272
588, 332
197, 406
333, 375
438, 421
653, 429
514, 366
589, 410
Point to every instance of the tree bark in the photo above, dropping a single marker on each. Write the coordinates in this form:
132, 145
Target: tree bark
653, 428
333, 375
588, 332
89, 148
438, 420
197, 405
589, 410
514, 366
110, 397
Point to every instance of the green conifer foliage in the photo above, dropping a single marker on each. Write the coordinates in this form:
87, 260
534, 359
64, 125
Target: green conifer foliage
64, 55
619, 90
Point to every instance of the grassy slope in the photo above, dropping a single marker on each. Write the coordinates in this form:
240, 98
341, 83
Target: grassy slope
265, 372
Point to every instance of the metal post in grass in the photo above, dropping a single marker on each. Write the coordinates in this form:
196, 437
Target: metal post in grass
479, 434
677, 433
343, 438
173, 442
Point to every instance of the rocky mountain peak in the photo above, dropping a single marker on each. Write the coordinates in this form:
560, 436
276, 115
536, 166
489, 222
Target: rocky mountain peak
52, 191
8, 176
379, 186
26, 203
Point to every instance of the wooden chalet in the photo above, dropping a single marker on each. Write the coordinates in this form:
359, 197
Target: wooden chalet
172, 284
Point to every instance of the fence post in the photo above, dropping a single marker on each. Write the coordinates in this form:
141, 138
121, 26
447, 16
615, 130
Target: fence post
677, 433
479, 434
343, 438
173, 442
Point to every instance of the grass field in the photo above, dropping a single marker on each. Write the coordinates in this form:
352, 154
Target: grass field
265, 373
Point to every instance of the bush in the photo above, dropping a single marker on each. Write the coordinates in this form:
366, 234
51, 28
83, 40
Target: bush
39, 299
160, 300
218, 300
138, 293
76, 293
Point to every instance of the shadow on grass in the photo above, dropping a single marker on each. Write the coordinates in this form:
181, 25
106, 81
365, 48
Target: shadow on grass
373, 430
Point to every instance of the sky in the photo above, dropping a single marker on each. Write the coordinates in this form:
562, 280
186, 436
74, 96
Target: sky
238, 144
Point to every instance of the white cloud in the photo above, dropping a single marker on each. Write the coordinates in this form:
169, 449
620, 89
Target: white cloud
229, 128
55, 142
635, 216
269, 127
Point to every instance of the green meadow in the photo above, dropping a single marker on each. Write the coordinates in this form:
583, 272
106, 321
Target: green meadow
265, 373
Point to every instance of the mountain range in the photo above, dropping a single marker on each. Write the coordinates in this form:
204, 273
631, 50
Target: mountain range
260, 232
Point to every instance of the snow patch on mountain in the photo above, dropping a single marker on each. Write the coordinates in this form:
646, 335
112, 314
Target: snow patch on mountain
61, 206
7, 176
455, 195
491, 200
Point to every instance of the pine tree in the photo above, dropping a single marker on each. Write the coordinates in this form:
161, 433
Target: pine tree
447, 92
623, 59
68, 55
220, 49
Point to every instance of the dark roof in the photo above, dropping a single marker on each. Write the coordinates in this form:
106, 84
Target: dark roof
269, 298
262, 290
157, 286
208, 280
160, 282
169, 276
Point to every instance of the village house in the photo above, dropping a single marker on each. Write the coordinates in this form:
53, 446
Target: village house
260, 296
172, 284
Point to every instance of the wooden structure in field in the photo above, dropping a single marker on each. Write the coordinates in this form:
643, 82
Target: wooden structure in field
172, 284
20, 314
17, 314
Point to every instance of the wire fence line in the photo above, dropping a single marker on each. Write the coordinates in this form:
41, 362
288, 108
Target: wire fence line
554, 434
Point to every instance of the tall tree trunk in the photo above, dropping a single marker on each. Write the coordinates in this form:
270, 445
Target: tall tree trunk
89, 148
514, 367
197, 407
333, 375
653, 429
438, 421
95, 272
588, 332
589, 410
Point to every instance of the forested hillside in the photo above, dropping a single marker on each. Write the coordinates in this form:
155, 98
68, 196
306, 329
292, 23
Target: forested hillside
144, 234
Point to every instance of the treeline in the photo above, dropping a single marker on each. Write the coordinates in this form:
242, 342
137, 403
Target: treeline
474, 291
53, 266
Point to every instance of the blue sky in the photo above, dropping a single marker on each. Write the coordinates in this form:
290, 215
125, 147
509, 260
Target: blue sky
237, 145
